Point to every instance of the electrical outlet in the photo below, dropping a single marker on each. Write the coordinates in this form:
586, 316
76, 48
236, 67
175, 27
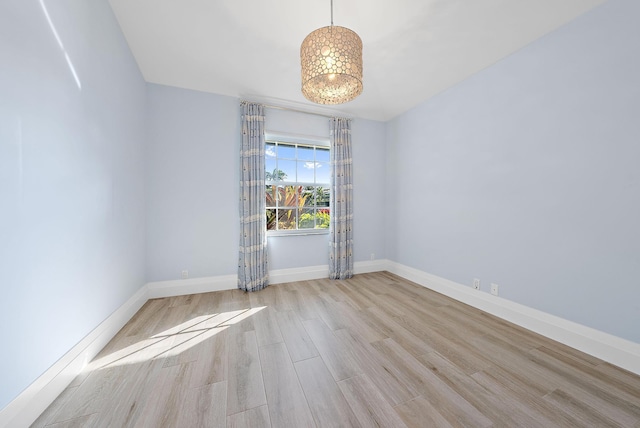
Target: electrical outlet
476, 283
373, 256
494, 289
185, 274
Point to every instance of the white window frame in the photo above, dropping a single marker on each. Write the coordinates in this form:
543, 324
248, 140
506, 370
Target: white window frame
302, 140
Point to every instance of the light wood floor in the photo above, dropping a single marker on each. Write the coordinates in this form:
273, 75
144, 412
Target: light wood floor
375, 350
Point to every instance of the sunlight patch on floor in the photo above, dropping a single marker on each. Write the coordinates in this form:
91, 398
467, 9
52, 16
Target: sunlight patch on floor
173, 341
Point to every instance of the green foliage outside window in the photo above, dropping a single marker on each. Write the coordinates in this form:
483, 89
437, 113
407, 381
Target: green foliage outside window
321, 218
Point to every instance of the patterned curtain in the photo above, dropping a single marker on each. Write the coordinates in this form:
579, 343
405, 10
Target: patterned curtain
252, 266
341, 223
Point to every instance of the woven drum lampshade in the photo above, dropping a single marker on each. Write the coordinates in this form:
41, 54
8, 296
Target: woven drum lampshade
331, 60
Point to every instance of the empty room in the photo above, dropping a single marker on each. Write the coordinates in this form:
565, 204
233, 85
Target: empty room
320, 213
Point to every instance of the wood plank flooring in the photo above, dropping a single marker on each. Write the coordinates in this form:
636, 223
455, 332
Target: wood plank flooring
372, 351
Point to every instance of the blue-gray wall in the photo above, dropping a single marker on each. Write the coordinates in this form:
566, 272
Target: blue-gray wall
193, 151
71, 180
528, 175
192, 181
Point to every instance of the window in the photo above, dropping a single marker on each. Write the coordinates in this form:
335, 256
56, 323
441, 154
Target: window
297, 186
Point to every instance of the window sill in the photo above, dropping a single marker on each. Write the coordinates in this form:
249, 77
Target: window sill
279, 233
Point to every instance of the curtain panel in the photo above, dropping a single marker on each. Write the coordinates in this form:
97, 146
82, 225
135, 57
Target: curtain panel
341, 223
252, 265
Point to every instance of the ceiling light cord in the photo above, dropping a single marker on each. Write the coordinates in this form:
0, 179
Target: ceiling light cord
332, 13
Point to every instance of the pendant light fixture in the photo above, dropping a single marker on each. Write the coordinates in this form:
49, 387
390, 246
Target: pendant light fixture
331, 60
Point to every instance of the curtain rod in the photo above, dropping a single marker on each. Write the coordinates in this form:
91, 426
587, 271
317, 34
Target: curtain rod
295, 110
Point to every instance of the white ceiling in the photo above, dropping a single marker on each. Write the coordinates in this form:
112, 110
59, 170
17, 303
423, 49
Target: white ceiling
413, 49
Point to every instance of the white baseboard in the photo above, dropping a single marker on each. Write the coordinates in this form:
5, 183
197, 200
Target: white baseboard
615, 350
280, 276
318, 272
26, 407
369, 266
181, 287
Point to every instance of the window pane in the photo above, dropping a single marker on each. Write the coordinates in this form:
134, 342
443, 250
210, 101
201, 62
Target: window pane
286, 151
323, 217
287, 219
270, 151
323, 173
307, 219
309, 194
322, 196
287, 170
271, 172
288, 196
270, 196
306, 172
271, 220
322, 154
305, 153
